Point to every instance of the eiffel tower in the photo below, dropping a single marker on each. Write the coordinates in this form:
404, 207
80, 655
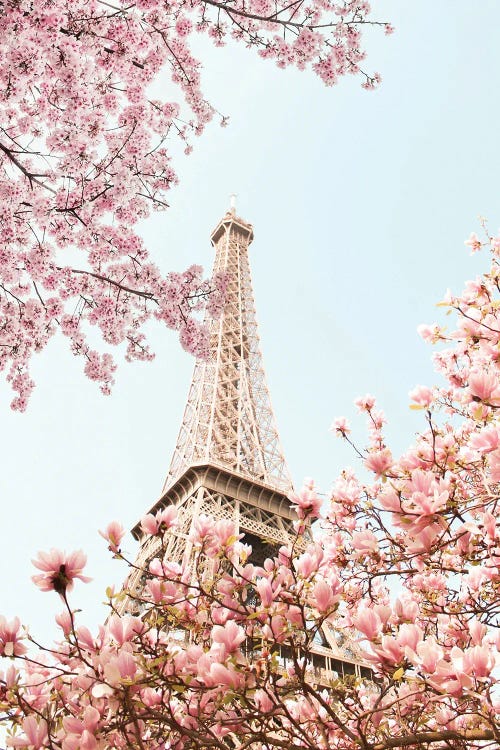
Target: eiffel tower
228, 462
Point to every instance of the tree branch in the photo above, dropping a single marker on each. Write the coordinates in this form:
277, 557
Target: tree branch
31, 177
106, 279
423, 738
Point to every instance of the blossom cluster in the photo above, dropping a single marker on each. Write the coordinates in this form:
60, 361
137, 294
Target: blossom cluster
399, 575
86, 153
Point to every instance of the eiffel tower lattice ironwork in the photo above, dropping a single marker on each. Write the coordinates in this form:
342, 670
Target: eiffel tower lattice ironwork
228, 462
229, 420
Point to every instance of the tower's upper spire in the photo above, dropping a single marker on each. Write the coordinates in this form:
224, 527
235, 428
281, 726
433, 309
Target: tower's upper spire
229, 421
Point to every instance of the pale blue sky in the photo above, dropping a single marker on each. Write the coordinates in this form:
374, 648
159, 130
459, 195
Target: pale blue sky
360, 203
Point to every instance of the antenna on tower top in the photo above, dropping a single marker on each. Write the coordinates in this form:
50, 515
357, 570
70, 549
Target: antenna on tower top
232, 203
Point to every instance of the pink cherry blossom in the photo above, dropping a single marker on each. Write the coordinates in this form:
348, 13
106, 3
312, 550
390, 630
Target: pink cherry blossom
87, 153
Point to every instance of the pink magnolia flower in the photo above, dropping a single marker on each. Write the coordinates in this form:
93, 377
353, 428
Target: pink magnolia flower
431, 333
10, 640
113, 533
151, 697
450, 678
477, 631
213, 673
341, 426
85, 638
421, 395
81, 732
494, 457
277, 630
231, 636
365, 403
379, 461
392, 649
428, 654
202, 528
124, 628
473, 242
390, 500
63, 619
309, 562
490, 525
225, 533
35, 734
478, 660
119, 667
486, 441
263, 701
59, 570
9, 678
325, 596
423, 534
483, 385
265, 591
406, 610
368, 622
307, 502
164, 591
365, 542
165, 519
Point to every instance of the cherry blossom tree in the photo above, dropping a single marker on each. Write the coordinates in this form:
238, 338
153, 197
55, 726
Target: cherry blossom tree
86, 152
219, 652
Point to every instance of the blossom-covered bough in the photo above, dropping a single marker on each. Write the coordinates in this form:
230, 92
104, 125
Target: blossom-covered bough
221, 655
86, 152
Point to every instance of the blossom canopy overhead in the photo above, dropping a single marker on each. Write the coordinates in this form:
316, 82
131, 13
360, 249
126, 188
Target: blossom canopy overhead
86, 153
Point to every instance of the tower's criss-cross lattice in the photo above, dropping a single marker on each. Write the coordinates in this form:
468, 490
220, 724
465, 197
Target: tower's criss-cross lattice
229, 420
228, 461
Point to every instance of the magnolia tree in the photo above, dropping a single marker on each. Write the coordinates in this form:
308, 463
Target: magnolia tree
217, 653
86, 152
